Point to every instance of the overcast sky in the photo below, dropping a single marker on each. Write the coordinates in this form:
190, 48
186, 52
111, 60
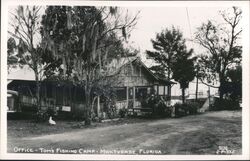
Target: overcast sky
154, 19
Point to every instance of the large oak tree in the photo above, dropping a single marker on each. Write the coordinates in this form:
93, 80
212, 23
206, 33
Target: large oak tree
81, 37
223, 48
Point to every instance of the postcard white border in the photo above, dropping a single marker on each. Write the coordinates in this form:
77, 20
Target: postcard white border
245, 118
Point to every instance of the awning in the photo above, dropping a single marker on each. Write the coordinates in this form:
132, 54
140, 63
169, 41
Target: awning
12, 92
9, 81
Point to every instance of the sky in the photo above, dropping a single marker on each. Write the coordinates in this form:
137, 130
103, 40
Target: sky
154, 19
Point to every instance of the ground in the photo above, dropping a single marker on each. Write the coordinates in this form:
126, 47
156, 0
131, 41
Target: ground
196, 134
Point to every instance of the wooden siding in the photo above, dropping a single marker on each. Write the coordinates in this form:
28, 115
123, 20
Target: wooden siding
52, 95
133, 75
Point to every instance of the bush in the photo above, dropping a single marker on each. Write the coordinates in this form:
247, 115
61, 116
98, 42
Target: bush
158, 106
186, 109
163, 110
180, 109
43, 115
224, 104
122, 112
193, 107
159, 109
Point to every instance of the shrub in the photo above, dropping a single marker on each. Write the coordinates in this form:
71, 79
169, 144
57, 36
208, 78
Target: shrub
180, 109
158, 106
51, 112
159, 109
168, 111
111, 112
41, 116
193, 107
122, 112
96, 119
224, 104
186, 109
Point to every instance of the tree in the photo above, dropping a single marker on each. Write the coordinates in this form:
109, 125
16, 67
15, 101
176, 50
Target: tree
12, 59
234, 83
223, 49
197, 69
24, 27
81, 37
166, 46
184, 69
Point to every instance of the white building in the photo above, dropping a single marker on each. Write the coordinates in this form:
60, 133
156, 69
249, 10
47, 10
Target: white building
203, 90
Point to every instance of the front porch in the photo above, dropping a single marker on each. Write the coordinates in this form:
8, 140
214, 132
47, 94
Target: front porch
132, 98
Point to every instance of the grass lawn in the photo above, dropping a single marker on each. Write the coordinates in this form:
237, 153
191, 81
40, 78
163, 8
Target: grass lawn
26, 128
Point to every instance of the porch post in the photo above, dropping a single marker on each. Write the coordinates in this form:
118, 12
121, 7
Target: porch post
157, 93
134, 97
169, 92
127, 94
98, 106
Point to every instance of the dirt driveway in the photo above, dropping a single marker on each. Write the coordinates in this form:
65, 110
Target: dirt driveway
197, 134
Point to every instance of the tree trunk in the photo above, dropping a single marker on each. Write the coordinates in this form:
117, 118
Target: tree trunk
168, 76
87, 108
37, 92
93, 104
87, 103
221, 93
209, 97
221, 88
196, 92
183, 95
169, 87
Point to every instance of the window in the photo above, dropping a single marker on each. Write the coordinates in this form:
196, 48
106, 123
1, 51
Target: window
161, 90
141, 92
121, 94
166, 90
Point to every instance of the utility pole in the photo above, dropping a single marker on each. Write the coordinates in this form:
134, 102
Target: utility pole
209, 96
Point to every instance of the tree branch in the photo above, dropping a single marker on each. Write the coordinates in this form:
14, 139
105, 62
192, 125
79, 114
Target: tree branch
208, 84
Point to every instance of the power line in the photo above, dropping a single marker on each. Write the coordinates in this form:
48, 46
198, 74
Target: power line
190, 30
189, 23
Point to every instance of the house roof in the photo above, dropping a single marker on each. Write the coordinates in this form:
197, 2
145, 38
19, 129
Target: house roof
138, 60
27, 74
163, 80
24, 73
